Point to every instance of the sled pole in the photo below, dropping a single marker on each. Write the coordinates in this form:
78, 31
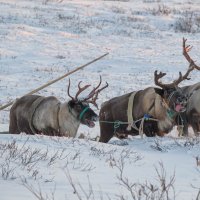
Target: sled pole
57, 79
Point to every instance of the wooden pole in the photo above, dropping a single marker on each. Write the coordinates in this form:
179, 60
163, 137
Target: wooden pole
57, 79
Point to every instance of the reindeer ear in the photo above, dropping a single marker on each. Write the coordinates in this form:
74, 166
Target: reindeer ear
159, 91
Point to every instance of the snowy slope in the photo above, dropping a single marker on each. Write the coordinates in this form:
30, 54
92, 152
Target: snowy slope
41, 40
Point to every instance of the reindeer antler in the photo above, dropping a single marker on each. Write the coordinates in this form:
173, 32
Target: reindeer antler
157, 77
93, 96
68, 90
81, 89
181, 77
186, 49
175, 82
92, 93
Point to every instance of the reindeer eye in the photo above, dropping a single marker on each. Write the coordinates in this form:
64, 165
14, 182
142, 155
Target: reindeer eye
79, 107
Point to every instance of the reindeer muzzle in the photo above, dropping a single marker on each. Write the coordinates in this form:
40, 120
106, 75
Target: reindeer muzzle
180, 105
90, 123
180, 108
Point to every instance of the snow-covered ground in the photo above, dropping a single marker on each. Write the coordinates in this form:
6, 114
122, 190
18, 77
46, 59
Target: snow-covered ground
43, 39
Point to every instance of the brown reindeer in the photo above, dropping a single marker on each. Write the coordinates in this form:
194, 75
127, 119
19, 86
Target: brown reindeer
191, 117
34, 114
160, 104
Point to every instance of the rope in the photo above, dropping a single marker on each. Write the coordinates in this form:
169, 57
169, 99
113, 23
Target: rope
56, 80
171, 115
117, 124
117, 121
141, 132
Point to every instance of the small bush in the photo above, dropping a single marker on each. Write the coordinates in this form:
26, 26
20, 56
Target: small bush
161, 9
188, 23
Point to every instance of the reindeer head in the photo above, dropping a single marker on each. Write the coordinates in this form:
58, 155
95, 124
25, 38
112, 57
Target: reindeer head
171, 93
80, 107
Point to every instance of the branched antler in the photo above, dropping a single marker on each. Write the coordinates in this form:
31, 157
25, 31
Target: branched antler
181, 77
93, 95
186, 49
80, 89
174, 83
68, 90
157, 77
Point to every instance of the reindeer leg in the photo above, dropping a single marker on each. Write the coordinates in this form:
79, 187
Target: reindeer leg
185, 124
13, 127
106, 132
194, 121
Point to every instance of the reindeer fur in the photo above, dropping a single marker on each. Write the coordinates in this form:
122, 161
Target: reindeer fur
49, 116
146, 101
192, 115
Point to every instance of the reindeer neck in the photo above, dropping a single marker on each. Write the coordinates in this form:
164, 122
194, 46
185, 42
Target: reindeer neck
71, 111
170, 112
68, 121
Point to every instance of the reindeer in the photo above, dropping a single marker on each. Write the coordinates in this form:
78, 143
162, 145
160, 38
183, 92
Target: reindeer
191, 117
162, 105
34, 114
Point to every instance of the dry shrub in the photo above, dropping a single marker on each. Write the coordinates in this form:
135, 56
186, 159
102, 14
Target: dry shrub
189, 22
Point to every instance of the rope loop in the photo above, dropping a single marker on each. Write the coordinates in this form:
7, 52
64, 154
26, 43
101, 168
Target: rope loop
117, 124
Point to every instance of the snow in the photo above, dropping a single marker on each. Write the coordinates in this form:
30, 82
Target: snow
44, 39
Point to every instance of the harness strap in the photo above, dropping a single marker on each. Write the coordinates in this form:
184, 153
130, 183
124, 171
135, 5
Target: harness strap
83, 112
171, 113
171, 95
58, 122
130, 111
34, 107
150, 109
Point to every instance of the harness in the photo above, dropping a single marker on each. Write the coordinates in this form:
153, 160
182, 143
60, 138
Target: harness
171, 95
171, 114
129, 111
169, 99
80, 116
33, 108
70, 110
132, 123
83, 112
117, 123
58, 118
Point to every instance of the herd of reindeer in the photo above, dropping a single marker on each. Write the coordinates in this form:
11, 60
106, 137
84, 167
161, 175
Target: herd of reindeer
153, 110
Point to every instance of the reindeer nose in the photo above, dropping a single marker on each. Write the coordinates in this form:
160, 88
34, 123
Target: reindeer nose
179, 99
